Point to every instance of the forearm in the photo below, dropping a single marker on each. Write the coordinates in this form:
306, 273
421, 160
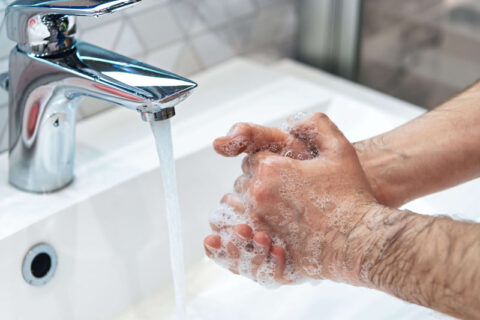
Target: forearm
433, 262
433, 152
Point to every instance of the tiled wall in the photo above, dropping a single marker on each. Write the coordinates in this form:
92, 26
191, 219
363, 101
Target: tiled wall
183, 36
422, 51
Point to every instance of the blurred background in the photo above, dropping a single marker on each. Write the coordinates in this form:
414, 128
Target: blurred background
421, 51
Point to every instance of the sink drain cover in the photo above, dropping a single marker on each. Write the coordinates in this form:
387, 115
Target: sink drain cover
39, 264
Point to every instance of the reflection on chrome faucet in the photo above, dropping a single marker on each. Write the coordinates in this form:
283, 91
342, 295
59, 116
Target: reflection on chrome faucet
50, 72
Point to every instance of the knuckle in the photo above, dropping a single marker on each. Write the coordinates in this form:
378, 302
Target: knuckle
268, 165
238, 184
214, 227
224, 198
227, 198
259, 191
241, 184
240, 127
265, 170
245, 164
263, 164
320, 116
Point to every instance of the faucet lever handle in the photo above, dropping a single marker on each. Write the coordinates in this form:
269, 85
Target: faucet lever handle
39, 26
69, 7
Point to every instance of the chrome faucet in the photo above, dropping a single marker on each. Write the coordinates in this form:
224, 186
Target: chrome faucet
49, 74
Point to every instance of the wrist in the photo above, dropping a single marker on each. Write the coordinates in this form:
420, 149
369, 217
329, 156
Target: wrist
378, 163
381, 240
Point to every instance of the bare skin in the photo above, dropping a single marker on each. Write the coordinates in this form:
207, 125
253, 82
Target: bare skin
434, 152
308, 188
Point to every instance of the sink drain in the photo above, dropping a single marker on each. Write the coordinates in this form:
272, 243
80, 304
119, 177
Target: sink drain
39, 264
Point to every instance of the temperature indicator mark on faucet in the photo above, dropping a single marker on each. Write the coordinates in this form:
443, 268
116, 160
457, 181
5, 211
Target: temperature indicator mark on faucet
32, 119
32, 22
56, 123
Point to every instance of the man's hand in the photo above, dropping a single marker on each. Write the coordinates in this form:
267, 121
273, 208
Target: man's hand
312, 206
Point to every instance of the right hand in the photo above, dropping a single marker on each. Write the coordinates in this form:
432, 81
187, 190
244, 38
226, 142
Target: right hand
303, 219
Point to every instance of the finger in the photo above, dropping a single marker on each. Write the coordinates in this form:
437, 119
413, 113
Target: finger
212, 243
279, 258
250, 138
243, 231
241, 184
262, 244
233, 256
246, 166
230, 147
234, 202
228, 256
319, 132
262, 239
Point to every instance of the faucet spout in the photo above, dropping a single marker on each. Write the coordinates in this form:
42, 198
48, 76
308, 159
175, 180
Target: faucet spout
99, 73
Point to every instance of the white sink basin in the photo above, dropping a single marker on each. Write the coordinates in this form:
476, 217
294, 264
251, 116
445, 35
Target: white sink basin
109, 228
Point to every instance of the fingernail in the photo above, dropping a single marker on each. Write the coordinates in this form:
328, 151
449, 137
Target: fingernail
233, 131
240, 236
243, 231
260, 245
276, 253
210, 247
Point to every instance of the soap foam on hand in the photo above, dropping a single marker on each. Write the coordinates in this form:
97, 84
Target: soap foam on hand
294, 120
224, 218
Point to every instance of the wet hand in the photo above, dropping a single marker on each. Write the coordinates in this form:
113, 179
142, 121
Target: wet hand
296, 207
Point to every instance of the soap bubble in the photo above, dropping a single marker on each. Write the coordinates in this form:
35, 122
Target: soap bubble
225, 218
235, 145
294, 120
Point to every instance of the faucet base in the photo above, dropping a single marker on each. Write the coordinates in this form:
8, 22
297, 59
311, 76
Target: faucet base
25, 188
